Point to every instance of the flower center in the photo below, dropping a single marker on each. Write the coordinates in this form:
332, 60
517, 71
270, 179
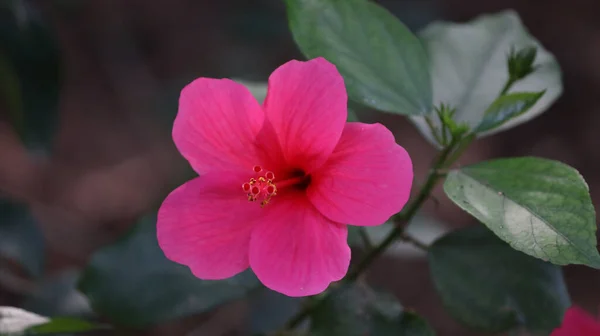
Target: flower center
262, 187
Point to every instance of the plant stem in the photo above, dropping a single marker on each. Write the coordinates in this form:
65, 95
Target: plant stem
410, 239
405, 216
444, 159
398, 232
511, 80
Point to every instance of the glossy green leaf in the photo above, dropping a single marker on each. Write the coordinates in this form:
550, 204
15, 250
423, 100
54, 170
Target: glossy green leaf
61, 325
357, 310
384, 65
20, 238
135, 285
30, 72
489, 286
469, 67
539, 206
506, 108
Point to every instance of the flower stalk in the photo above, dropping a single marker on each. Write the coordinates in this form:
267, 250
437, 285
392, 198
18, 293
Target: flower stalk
453, 148
400, 220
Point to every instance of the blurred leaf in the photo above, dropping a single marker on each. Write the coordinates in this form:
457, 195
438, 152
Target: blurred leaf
357, 310
469, 68
415, 14
539, 206
413, 325
20, 237
354, 238
30, 72
269, 310
384, 65
57, 295
135, 285
64, 325
352, 117
14, 321
487, 285
506, 108
258, 89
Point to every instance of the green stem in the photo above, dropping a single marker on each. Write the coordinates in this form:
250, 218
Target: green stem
444, 134
509, 83
399, 220
459, 149
405, 237
434, 131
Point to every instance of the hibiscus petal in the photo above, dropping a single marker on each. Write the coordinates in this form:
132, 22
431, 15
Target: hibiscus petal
577, 322
295, 250
206, 223
366, 180
217, 122
306, 104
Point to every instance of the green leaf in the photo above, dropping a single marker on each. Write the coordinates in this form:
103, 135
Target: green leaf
487, 285
64, 325
357, 111
383, 64
357, 310
258, 89
506, 108
469, 67
20, 237
135, 285
30, 73
352, 116
539, 206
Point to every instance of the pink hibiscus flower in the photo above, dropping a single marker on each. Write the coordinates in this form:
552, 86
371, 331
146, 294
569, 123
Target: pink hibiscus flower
577, 322
278, 183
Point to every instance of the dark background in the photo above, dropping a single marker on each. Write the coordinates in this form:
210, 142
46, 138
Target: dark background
124, 62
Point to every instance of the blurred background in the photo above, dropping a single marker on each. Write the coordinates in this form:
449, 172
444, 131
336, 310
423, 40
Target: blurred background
100, 81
